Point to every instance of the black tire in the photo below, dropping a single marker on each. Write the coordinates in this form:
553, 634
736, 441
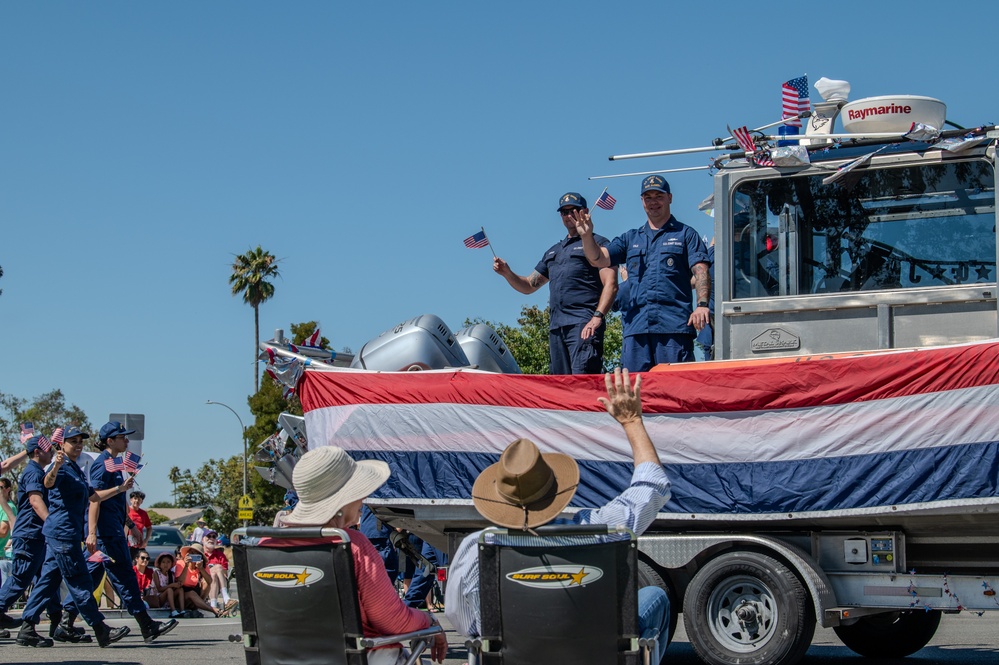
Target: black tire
776, 619
649, 576
890, 635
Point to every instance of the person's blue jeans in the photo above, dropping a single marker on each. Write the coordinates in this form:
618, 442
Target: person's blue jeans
653, 613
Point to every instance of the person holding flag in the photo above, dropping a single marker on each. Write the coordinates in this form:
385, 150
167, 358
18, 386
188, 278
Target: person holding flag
69, 495
580, 295
106, 532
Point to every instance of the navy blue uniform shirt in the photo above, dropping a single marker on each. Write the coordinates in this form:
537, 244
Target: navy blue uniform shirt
69, 500
574, 285
111, 519
28, 524
660, 266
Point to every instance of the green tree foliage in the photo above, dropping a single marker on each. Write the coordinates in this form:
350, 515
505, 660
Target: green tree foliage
528, 340
155, 517
250, 273
46, 411
218, 484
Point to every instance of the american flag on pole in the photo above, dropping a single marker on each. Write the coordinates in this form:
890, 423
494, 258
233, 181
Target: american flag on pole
314, 339
743, 138
606, 201
794, 95
44, 444
57, 436
131, 461
477, 240
113, 464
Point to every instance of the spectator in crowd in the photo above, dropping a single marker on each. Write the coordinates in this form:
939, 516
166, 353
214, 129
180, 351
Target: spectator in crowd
527, 489
663, 258
201, 526
580, 295
290, 499
217, 566
26, 539
144, 578
194, 580
106, 525
138, 535
12, 462
8, 513
69, 495
168, 590
332, 487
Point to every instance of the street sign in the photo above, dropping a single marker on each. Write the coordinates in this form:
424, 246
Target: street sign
245, 507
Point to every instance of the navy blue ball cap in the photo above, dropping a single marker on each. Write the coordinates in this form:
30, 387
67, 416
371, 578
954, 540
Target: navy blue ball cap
72, 431
114, 428
31, 445
655, 182
571, 199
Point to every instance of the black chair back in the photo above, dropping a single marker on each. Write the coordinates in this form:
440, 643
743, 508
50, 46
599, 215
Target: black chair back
551, 601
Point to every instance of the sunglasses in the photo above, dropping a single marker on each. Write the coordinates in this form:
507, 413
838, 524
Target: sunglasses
566, 211
143, 558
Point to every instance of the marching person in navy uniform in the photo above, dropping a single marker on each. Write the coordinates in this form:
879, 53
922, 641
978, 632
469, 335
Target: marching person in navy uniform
27, 542
106, 532
663, 258
69, 497
580, 295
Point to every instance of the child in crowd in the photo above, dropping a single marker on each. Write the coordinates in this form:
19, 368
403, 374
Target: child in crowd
218, 572
168, 590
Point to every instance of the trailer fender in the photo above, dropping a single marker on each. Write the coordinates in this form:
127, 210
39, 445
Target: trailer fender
672, 551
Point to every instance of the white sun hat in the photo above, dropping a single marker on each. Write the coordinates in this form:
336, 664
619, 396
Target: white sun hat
327, 479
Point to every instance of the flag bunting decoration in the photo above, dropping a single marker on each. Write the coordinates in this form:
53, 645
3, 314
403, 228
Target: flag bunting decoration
794, 96
606, 201
314, 339
477, 240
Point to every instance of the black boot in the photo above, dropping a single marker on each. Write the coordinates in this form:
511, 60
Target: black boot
67, 624
153, 629
106, 635
4, 634
7, 621
27, 637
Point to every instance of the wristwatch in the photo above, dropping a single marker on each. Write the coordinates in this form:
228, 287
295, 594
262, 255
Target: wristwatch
703, 303
597, 313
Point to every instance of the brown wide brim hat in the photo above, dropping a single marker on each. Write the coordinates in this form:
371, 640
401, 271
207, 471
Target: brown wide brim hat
526, 488
193, 547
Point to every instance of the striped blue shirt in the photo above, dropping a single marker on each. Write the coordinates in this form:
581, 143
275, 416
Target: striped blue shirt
635, 508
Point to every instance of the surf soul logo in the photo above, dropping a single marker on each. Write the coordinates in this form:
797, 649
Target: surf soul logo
285, 577
556, 577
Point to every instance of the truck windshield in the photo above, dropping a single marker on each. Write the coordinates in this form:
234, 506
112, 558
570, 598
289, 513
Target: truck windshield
891, 228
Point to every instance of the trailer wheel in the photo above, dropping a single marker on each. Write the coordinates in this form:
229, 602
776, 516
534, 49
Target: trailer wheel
649, 576
890, 635
746, 607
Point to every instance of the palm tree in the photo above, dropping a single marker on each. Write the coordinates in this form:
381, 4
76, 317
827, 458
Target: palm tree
250, 273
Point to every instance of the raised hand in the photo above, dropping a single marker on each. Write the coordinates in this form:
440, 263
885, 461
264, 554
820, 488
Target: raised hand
623, 401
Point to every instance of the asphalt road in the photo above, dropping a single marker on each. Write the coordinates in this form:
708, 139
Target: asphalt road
964, 639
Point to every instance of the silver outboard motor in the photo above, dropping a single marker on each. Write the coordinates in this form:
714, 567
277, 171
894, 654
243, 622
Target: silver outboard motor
486, 350
424, 342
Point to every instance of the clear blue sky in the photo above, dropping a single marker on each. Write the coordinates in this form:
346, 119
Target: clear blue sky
144, 144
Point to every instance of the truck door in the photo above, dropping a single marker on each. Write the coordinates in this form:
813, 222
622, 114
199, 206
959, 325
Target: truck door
898, 254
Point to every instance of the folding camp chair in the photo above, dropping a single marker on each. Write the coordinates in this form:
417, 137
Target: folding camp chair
299, 604
567, 595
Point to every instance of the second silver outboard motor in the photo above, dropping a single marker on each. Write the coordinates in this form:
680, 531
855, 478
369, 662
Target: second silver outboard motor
421, 343
486, 350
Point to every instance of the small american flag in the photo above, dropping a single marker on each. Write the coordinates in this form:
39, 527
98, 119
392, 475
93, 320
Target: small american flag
99, 557
477, 240
794, 95
44, 444
57, 436
114, 464
606, 201
314, 339
763, 158
743, 138
131, 461
27, 431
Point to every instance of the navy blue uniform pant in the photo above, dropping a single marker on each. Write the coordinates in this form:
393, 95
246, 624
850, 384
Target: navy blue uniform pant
423, 580
27, 561
64, 562
640, 353
120, 573
570, 354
